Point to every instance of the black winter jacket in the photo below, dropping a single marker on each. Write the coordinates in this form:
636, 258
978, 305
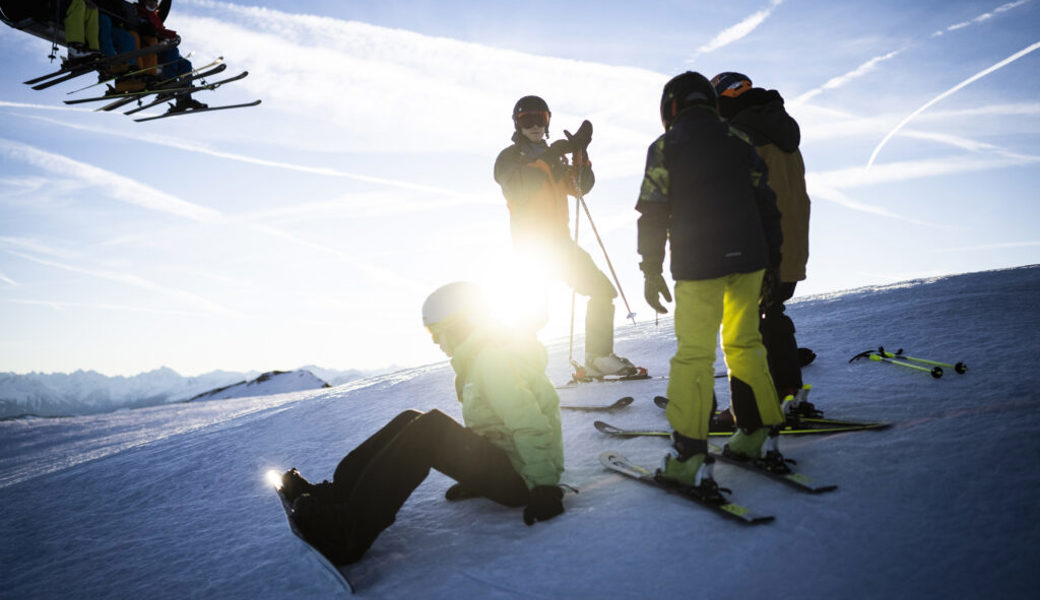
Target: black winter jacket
705, 190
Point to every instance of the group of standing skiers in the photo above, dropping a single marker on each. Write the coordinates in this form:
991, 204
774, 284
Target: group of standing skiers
724, 189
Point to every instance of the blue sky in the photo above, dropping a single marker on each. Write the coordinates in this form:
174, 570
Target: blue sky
308, 230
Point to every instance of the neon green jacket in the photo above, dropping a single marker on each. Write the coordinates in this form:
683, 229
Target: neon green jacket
507, 398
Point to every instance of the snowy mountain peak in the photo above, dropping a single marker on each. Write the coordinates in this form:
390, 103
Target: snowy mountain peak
272, 382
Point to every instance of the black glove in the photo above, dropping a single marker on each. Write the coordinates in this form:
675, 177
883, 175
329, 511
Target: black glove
544, 503
654, 286
770, 287
582, 138
556, 150
581, 141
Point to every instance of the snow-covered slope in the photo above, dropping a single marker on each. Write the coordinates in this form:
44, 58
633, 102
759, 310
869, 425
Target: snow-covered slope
171, 502
89, 392
272, 382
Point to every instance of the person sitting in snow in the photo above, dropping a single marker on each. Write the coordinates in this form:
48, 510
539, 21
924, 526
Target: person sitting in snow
509, 451
705, 194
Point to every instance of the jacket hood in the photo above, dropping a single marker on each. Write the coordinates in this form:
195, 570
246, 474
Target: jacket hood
760, 113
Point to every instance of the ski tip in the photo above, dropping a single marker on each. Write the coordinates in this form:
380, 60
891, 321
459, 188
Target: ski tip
661, 401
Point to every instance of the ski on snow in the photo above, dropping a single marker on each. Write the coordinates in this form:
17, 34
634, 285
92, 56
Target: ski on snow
618, 463
799, 481
800, 425
616, 405
336, 573
819, 427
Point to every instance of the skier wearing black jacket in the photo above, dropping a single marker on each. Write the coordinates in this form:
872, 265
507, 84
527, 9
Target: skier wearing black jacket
705, 193
760, 114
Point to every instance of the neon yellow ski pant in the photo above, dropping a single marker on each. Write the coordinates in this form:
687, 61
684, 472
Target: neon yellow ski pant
81, 24
701, 307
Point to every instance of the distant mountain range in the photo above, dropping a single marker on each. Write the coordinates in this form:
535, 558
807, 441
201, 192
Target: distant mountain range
89, 392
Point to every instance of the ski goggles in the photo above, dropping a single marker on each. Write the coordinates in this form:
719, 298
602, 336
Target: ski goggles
532, 119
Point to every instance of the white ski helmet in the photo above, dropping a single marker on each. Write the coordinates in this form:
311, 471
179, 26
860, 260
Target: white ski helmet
456, 299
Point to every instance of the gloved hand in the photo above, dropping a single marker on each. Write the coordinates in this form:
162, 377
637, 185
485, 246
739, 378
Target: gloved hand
556, 150
770, 285
582, 138
654, 286
544, 503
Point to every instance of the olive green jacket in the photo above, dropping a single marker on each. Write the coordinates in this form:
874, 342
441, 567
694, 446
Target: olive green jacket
507, 398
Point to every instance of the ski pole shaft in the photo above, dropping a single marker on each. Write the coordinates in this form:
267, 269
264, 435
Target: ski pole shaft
959, 367
936, 372
574, 294
631, 315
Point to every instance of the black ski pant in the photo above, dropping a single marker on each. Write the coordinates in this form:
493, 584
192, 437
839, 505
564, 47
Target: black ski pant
372, 482
781, 347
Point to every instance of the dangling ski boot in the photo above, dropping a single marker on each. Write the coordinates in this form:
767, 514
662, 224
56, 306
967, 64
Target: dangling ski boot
187, 104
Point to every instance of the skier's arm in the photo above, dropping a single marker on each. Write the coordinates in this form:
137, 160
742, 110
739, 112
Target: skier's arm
654, 206
508, 394
519, 181
768, 212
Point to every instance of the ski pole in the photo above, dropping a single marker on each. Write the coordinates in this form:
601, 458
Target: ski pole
574, 294
960, 367
935, 372
631, 315
576, 179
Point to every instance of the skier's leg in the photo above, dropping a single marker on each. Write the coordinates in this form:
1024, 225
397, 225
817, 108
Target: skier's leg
753, 396
781, 347
581, 273
75, 23
353, 464
698, 312
393, 473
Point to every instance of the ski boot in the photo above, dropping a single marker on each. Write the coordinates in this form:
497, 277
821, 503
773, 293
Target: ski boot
610, 365
294, 485
796, 405
759, 446
186, 104
689, 467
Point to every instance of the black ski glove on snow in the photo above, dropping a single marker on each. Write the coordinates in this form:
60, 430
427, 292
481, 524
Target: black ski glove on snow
544, 503
654, 286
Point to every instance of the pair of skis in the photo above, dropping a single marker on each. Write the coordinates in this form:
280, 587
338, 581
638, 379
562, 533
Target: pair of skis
713, 498
71, 70
795, 425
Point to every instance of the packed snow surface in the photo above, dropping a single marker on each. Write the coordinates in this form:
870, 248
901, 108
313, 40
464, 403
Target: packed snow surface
171, 501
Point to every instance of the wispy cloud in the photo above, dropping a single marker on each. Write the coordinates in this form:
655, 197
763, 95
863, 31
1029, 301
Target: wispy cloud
841, 80
821, 191
115, 186
7, 280
736, 32
61, 305
136, 281
982, 18
948, 93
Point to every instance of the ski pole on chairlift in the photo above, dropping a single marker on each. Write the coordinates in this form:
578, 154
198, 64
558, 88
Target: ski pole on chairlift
960, 367
935, 372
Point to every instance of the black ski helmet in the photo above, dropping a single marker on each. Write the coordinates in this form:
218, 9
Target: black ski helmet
684, 90
529, 104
